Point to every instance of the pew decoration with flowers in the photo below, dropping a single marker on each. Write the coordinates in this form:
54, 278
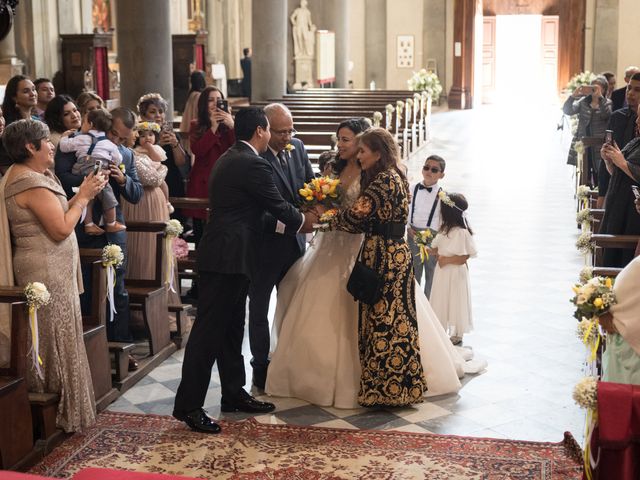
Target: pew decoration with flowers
112, 258
172, 232
37, 296
388, 116
593, 297
376, 119
425, 81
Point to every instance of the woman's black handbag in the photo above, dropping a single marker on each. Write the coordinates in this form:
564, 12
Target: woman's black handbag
365, 283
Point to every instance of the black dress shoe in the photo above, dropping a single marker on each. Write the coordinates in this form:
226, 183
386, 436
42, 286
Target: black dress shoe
246, 403
197, 420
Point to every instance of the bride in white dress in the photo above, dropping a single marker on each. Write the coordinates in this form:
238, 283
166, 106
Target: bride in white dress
315, 331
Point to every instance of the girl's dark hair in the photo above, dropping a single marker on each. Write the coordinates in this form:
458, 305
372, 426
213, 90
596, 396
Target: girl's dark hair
379, 140
198, 81
156, 135
11, 112
357, 126
55, 111
451, 217
204, 122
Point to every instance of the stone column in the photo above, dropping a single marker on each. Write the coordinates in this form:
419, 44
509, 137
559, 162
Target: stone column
232, 47
215, 29
336, 14
375, 26
434, 35
269, 60
10, 64
153, 71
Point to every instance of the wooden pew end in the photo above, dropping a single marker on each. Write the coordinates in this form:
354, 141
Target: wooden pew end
121, 351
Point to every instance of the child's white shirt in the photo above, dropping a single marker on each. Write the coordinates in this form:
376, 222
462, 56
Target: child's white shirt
104, 150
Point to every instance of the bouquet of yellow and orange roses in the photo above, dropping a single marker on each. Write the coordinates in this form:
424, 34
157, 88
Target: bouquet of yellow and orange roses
593, 298
321, 191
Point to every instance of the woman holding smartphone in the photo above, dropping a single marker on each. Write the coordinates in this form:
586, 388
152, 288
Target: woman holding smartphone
593, 108
210, 135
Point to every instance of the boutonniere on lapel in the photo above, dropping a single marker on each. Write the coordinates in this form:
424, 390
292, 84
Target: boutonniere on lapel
122, 168
289, 147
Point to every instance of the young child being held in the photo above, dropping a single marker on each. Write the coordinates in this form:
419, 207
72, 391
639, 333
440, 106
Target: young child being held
146, 144
91, 146
453, 245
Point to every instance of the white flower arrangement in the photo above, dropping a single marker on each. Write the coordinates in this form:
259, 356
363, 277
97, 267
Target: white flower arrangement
585, 393
579, 147
112, 255
174, 228
584, 243
586, 274
583, 78
377, 118
389, 108
584, 215
583, 192
409, 102
587, 331
424, 81
593, 298
400, 105
444, 198
37, 295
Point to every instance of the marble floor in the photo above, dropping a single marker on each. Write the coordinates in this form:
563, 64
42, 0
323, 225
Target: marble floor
511, 167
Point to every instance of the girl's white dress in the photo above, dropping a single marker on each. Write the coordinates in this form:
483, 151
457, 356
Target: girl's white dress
451, 292
315, 332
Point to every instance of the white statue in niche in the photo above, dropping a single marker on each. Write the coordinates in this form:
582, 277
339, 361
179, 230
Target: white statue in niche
303, 31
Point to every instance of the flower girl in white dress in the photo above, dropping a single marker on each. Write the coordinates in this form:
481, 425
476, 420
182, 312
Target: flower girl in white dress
315, 331
454, 245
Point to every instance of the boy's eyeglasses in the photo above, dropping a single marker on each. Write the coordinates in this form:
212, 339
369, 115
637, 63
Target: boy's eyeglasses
433, 169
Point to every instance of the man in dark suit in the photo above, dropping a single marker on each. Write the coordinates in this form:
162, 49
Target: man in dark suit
241, 189
245, 64
619, 96
125, 184
291, 169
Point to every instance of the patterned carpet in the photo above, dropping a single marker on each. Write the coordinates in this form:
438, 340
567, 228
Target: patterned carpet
251, 450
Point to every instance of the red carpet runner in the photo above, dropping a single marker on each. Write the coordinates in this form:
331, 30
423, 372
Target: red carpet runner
251, 450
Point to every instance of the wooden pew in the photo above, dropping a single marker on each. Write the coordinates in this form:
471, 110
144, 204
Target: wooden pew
95, 331
16, 427
612, 241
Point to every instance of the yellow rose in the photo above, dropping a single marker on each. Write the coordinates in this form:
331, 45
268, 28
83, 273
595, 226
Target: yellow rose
608, 283
597, 302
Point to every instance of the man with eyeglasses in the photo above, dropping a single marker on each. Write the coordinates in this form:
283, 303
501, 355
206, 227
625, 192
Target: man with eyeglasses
278, 251
125, 183
424, 214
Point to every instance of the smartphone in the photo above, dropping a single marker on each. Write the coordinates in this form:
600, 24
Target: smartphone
223, 105
636, 191
97, 167
167, 127
588, 89
608, 137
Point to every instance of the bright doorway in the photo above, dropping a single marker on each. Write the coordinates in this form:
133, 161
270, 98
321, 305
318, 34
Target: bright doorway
519, 58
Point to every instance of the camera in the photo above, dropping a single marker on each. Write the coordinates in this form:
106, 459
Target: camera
608, 137
588, 89
97, 167
222, 105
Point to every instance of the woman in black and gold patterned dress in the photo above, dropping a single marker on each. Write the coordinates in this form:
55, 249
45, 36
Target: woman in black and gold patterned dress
392, 373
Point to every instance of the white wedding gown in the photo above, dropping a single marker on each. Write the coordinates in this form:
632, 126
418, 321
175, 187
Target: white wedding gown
315, 332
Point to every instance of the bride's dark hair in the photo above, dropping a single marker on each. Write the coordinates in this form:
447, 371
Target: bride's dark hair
357, 126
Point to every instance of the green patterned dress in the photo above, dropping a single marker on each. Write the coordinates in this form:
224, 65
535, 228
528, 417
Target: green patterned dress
389, 351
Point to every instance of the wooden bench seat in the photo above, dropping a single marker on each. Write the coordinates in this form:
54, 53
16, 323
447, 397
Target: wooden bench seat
16, 423
121, 352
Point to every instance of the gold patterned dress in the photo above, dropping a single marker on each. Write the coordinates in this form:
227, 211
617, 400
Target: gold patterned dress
38, 258
392, 372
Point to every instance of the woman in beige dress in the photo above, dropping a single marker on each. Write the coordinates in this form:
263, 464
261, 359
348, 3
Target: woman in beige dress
42, 247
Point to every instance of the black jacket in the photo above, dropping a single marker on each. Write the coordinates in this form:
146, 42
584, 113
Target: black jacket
618, 97
241, 189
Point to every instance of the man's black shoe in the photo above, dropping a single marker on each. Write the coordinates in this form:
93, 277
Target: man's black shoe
246, 403
198, 420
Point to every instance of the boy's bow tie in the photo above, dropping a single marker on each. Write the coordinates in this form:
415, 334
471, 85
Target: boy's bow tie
422, 187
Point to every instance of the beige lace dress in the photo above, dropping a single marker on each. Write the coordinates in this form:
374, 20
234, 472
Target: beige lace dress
38, 258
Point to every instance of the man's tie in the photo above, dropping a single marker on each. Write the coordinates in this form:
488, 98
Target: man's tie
422, 187
283, 160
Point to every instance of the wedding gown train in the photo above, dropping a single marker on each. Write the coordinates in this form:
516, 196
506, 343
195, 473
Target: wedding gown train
314, 339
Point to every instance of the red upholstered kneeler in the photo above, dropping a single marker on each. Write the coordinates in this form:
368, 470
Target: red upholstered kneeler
618, 432
108, 474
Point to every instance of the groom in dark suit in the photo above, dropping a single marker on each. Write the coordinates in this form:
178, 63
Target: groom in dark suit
241, 189
291, 169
